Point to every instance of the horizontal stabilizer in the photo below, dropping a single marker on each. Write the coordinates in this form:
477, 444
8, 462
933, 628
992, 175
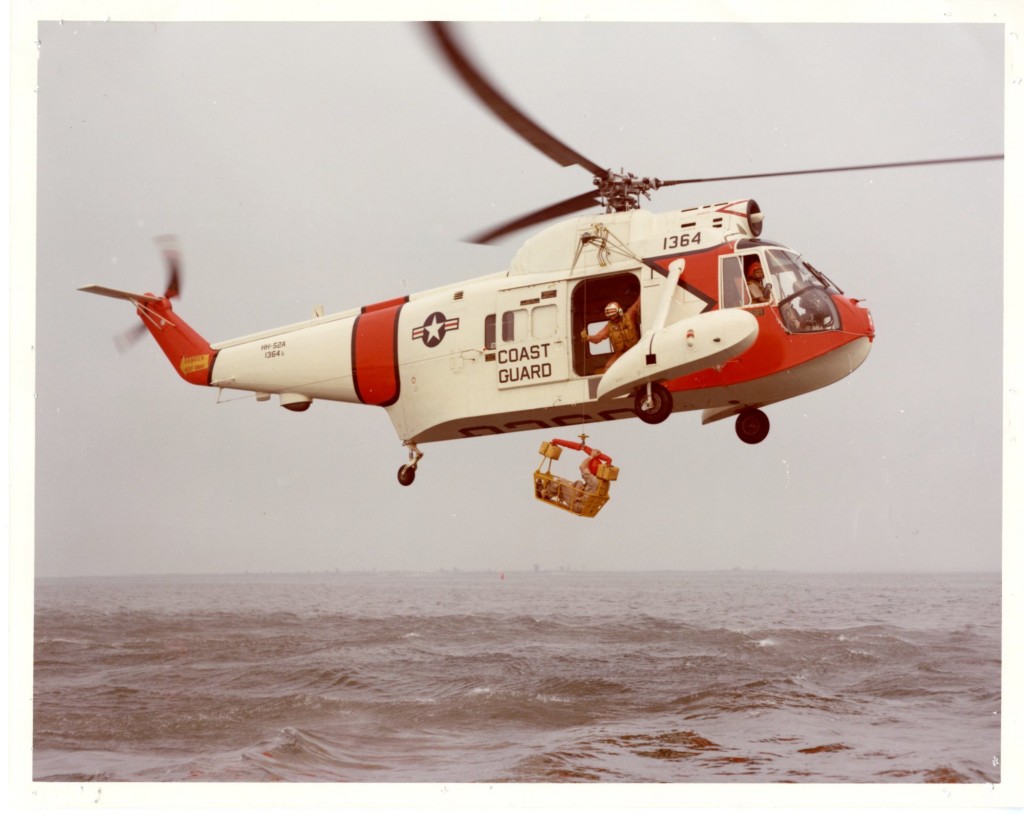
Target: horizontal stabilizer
683, 348
120, 295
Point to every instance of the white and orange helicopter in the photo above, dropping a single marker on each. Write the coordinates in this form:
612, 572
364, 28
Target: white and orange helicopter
509, 351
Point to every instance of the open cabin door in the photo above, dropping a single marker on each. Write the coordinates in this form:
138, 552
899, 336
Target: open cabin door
529, 331
589, 298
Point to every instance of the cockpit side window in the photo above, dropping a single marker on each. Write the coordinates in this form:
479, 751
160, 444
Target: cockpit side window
733, 293
744, 282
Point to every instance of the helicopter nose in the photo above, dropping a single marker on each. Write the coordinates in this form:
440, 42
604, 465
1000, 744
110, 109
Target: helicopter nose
867, 322
856, 317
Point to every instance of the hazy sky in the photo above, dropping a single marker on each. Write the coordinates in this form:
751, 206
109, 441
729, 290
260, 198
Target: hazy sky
340, 163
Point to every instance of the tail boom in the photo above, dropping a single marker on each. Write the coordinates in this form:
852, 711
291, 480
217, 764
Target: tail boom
190, 354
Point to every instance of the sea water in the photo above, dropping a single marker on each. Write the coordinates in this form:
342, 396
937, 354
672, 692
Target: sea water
519, 677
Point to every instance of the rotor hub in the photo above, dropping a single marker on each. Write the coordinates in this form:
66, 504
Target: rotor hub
621, 191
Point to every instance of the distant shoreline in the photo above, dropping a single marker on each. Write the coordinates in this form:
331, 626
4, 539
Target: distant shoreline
204, 577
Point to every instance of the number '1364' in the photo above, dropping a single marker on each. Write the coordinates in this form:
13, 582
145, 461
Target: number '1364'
678, 241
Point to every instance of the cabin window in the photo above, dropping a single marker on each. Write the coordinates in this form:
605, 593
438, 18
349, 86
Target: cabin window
490, 331
513, 325
544, 321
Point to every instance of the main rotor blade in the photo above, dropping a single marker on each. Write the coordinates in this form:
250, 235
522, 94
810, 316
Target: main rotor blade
569, 205
993, 157
487, 93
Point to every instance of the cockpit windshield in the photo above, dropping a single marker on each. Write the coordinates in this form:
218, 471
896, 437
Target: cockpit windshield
792, 274
830, 287
803, 293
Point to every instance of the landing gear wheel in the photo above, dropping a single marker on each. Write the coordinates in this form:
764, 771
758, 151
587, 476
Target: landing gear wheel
653, 403
406, 474
752, 426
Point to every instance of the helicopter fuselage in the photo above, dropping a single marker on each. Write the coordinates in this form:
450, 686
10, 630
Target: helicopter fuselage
727, 322
505, 352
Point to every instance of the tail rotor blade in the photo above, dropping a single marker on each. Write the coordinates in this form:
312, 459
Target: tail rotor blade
128, 338
172, 257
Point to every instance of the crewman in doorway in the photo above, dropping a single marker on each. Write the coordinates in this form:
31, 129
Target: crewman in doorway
622, 329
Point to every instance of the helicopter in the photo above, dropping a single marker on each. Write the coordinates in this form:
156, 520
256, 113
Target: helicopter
508, 351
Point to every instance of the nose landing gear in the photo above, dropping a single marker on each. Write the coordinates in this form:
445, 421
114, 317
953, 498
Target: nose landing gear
407, 472
752, 426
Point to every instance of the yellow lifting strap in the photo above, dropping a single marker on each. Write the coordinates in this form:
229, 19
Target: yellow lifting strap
576, 497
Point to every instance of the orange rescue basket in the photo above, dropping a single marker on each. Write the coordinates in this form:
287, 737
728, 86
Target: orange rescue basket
564, 494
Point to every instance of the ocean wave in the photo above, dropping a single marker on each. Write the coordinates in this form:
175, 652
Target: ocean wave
580, 679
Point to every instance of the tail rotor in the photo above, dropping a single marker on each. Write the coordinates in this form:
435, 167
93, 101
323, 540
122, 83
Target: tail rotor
190, 354
129, 338
171, 252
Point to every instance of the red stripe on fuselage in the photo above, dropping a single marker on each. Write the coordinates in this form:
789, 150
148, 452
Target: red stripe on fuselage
375, 353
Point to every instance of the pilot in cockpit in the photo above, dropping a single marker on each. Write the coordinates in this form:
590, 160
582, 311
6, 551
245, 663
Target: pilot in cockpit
759, 290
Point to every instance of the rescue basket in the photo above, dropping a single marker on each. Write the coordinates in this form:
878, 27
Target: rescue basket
575, 497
